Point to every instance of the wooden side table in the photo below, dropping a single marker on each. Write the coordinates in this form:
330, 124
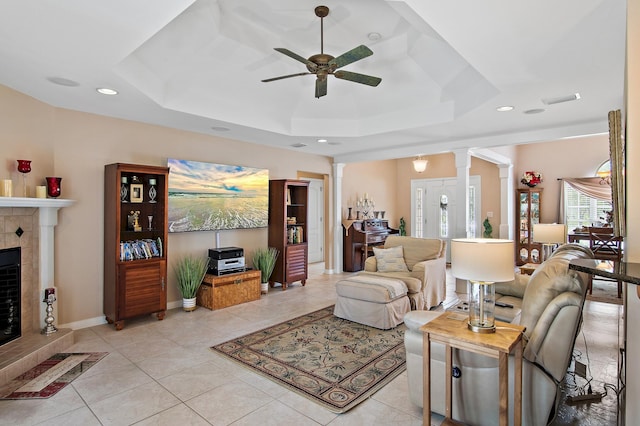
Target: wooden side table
529, 268
451, 330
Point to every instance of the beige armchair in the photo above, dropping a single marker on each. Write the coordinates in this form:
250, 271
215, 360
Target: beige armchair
426, 264
552, 314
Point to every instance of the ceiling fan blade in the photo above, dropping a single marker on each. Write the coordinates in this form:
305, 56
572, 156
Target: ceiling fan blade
351, 56
358, 78
297, 57
321, 87
285, 76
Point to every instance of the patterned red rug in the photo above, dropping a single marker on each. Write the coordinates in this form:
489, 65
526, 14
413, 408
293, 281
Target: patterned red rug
332, 361
49, 377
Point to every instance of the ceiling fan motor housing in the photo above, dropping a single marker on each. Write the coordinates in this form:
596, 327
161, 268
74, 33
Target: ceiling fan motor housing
322, 62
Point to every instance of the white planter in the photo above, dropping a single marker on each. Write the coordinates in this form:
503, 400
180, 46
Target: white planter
189, 304
264, 288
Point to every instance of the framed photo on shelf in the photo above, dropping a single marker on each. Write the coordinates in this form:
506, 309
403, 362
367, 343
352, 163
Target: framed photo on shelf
135, 189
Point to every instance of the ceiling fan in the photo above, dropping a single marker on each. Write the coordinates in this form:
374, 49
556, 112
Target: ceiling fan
323, 64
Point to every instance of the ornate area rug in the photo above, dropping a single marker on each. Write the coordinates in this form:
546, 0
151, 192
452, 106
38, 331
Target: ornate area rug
49, 377
334, 362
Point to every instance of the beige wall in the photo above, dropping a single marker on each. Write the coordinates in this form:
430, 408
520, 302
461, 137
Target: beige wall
378, 180
76, 146
570, 158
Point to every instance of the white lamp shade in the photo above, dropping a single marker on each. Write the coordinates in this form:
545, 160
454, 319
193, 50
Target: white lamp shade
483, 259
420, 164
551, 233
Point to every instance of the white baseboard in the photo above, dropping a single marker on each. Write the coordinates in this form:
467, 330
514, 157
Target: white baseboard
91, 322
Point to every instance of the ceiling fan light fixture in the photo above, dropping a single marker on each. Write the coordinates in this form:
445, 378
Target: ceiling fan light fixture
420, 164
322, 65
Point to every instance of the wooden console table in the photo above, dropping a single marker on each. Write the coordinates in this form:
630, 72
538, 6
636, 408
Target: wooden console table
451, 330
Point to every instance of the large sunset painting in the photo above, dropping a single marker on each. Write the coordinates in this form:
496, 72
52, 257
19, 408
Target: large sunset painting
209, 197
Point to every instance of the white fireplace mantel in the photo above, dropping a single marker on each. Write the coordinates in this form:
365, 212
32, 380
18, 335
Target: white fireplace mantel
48, 219
55, 203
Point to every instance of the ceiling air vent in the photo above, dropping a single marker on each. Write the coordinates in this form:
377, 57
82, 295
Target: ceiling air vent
561, 99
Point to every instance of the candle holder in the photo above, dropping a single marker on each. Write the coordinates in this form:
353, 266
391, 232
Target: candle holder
124, 189
53, 186
49, 298
152, 190
24, 167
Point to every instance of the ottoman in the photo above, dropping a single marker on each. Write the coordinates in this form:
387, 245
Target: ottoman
378, 302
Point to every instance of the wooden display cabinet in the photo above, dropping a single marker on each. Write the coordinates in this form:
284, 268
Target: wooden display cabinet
528, 204
288, 203
135, 249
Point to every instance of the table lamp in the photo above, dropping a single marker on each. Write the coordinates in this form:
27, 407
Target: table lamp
550, 235
482, 261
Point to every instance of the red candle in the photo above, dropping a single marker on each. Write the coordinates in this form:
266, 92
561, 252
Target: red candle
49, 292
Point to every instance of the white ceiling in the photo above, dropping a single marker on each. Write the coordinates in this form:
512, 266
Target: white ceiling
445, 67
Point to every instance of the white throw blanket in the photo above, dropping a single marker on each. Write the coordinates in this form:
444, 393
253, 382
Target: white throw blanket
394, 286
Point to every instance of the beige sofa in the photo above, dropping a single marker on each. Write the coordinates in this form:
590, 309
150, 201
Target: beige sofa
426, 278
551, 305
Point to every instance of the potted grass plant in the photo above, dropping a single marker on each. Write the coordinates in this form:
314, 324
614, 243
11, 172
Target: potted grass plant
190, 271
264, 259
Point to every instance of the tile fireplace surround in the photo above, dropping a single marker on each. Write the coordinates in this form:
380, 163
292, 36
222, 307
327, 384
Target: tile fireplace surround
37, 217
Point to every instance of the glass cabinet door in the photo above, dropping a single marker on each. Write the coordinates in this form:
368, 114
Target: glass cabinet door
527, 214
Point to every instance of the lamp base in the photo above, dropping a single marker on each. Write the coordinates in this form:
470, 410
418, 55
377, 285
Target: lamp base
547, 250
481, 296
481, 328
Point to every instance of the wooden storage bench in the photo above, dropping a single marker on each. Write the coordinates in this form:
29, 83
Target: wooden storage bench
220, 291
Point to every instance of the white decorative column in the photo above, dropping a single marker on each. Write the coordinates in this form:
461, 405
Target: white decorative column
463, 163
338, 169
507, 203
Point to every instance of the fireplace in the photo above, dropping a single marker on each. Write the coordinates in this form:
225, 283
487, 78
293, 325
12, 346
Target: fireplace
28, 226
10, 296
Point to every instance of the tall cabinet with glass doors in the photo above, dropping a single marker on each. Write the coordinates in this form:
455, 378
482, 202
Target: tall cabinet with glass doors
527, 214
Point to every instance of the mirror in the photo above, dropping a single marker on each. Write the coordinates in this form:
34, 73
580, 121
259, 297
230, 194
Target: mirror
616, 152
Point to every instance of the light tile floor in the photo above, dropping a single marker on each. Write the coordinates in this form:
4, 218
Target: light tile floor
163, 373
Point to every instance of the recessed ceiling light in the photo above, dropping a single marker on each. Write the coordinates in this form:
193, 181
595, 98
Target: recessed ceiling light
63, 81
220, 129
534, 111
106, 91
504, 108
322, 141
374, 36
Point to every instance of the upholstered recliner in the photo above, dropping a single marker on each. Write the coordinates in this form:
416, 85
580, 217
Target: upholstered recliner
552, 314
425, 277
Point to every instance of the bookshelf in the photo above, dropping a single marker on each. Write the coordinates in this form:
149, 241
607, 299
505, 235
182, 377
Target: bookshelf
135, 242
288, 203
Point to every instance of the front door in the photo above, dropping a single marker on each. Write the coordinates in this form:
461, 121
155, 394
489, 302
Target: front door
434, 205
